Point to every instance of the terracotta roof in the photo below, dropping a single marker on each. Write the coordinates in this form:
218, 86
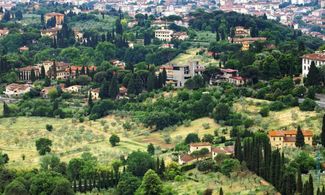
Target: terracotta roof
200, 144
315, 56
186, 158
166, 67
224, 150
249, 39
280, 133
16, 86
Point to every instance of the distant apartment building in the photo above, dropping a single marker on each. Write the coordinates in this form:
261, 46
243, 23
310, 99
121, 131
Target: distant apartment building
287, 138
177, 75
318, 58
164, 34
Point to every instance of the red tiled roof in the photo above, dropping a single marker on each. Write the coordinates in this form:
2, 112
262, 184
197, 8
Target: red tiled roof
166, 67
289, 139
186, 158
238, 78
16, 86
224, 150
315, 56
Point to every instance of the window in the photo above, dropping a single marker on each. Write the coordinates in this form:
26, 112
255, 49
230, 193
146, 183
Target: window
274, 139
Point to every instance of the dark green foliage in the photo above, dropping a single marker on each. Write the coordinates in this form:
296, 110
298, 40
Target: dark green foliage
238, 149
49, 127
195, 83
104, 90
43, 145
192, 138
128, 184
138, 163
264, 111
221, 112
314, 76
113, 88
300, 139
16, 188
151, 183
6, 110
114, 140
307, 105
206, 165
208, 138
151, 149
299, 182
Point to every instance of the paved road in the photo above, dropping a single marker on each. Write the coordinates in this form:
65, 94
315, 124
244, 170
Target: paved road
320, 101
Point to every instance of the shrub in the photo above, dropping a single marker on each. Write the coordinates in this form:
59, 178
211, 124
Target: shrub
264, 111
114, 140
206, 165
49, 127
206, 125
187, 123
188, 167
307, 105
277, 106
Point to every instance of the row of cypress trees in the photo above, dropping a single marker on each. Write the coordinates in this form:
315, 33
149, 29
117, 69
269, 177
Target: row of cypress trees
257, 153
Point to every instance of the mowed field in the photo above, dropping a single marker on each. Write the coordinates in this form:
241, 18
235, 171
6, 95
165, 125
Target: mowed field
192, 54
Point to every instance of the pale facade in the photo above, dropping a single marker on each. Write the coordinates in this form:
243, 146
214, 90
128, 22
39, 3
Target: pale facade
164, 34
17, 90
318, 58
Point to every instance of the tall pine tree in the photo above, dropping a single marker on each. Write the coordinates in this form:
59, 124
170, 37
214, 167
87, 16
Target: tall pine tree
113, 88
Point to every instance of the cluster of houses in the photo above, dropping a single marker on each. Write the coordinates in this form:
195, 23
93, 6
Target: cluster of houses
213, 152
278, 139
54, 70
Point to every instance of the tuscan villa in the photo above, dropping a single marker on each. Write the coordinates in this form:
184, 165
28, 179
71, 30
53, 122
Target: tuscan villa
287, 138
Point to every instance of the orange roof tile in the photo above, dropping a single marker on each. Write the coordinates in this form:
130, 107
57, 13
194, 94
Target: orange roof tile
200, 144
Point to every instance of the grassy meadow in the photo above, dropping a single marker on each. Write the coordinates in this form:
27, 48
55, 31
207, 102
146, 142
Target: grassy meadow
192, 54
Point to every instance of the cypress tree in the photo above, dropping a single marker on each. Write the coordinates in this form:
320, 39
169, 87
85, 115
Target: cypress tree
6, 109
113, 88
300, 139
164, 76
47, 81
314, 76
54, 70
299, 182
103, 92
80, 185
32, 75
322, 135
310, 185
162, 167
238, 149
74, 185
221, 191
151, 81
43, 74
83, 71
